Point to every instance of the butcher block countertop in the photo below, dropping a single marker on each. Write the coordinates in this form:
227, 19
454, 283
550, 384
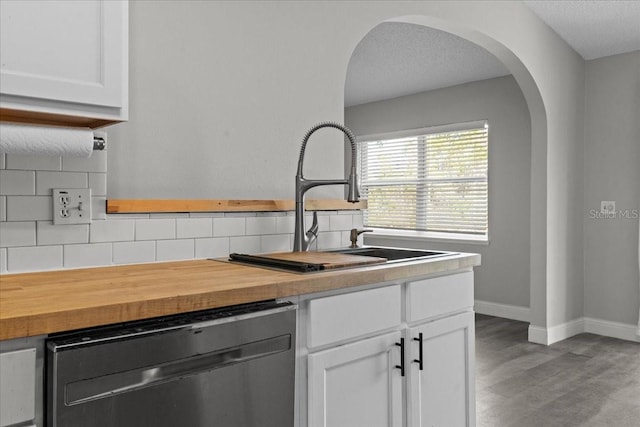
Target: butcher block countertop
54, 301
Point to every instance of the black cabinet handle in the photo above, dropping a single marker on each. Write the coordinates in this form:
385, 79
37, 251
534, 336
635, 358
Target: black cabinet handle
401, 365
419, 359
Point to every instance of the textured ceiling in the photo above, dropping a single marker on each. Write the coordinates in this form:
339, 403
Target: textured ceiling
397, 59
594, 28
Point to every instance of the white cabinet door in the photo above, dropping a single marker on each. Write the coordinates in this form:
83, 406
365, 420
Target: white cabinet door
442, 394
17, 386
67, 57
356, 385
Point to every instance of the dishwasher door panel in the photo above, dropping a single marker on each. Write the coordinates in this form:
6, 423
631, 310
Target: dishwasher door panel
235, 371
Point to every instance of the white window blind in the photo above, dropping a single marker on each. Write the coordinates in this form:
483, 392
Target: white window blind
427, 180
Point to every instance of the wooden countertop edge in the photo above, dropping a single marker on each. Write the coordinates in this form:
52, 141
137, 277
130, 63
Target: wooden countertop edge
24, 322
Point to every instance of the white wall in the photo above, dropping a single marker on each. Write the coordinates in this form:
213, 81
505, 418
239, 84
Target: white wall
612, 172
503, 277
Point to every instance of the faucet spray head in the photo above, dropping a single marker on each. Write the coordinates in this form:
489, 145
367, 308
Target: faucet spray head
353, 195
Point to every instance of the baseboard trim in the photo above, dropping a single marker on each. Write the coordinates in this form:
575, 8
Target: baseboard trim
548, 336
506, 311
538, 335
623, 331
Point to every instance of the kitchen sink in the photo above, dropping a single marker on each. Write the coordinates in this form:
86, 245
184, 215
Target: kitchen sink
392, 254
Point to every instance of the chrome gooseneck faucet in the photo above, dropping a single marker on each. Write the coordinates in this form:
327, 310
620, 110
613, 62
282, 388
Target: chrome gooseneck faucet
302, 240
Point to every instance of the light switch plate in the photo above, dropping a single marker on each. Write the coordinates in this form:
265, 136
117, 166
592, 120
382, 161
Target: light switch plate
72, 206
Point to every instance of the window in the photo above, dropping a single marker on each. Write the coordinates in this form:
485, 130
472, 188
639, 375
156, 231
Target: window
431, 179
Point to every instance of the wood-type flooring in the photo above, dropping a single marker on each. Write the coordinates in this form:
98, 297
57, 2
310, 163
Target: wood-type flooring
584, 381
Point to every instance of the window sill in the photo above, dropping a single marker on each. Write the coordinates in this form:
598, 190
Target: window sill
428, 236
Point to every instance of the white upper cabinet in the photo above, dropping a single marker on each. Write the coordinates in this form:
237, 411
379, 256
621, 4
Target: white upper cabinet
64, 62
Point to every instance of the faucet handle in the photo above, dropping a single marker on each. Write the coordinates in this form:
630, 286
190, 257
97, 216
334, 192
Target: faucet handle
312, 233
354, 236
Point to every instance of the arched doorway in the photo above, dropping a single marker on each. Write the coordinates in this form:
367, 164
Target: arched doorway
536, 223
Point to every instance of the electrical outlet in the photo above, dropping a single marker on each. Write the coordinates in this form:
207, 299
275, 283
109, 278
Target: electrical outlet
72, 206
608, 207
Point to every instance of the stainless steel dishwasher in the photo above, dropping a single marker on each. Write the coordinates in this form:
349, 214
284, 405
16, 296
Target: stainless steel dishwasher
225, 367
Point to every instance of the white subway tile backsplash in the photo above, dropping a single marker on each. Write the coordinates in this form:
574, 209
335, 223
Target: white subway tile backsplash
30, 242
98, 207
345, 238
194, 227
358, 221
47, 163
285, 224
22, 233
340, 222
134, 252
128, 216
155, 229
45, 181
3, 260
216, 247
330, 240
228, 226
34, 258
29, 208
239, 214
276, 243
245, 244
90, 255
98, 184
260, 225
276, 214
165, 215
96, 163
206, 214
324, 223
112, 231
173, 250
49, 234
17, 183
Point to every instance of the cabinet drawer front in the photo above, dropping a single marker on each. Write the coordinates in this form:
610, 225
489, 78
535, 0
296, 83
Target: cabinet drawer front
438, 296
355, 314
17, 388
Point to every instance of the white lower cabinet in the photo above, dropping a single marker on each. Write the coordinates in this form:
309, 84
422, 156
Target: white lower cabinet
442, 393
357, 384
18, 386
356, 380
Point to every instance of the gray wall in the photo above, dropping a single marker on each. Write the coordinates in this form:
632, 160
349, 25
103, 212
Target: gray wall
504, 275
612, 172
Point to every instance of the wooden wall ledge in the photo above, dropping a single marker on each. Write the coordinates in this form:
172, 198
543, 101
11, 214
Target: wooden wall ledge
116, 206
51, 119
